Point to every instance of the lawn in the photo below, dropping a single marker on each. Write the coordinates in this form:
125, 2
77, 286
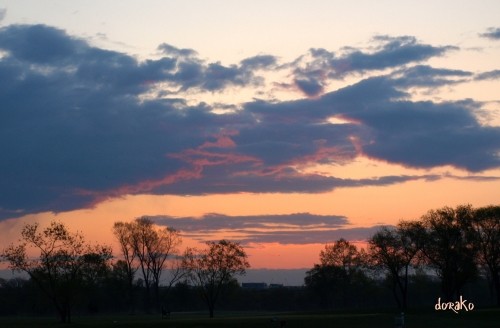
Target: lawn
475, 319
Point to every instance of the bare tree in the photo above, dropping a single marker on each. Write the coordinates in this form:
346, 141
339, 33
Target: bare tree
64, 265
162, 248
153, 247
123, 233
213, 268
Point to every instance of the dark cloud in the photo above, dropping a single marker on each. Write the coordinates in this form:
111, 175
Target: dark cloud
420, 134
297, 228
493, 33
224, 180
391, 52
213, 222
491, 75
310, 87
429, 77
312, 70
259, 62
310, 237
176, 52
39, 44
76, 128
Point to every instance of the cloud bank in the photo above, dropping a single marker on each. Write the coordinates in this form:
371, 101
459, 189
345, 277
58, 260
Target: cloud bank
80, 124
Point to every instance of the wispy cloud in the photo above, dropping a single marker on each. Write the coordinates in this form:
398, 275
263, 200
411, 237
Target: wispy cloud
313, 70
490, 75
493, 33
297, 228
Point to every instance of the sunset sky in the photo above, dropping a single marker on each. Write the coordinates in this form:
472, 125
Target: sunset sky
283, 125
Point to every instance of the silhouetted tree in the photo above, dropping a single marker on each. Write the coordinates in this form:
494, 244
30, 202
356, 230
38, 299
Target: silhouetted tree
211, 269
486, 228
325, 281
65, 264
152, 246
340, 269
123, 233
449, 247
395, 250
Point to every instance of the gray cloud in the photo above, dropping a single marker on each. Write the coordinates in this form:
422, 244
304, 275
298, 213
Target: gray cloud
311, 87
171, 50
259, 62
75, 130
297, 228
429, 77
392, 52
491, 75
312, 71
493, 33
310, 237
214, 221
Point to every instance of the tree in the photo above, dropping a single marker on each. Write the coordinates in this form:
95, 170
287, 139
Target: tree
339, 270
325, 281
449, 247
486, 229
64, 266
211, 269
153, 247
395, 250
123, 234
342, 254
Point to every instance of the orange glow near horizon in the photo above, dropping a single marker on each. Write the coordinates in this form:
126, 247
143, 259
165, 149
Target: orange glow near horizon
363, 206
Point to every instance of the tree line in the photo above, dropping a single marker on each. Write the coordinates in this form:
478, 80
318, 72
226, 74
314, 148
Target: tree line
455, 246
69, 270
447, 252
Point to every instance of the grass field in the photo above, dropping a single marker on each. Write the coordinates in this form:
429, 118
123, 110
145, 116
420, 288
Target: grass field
473, 319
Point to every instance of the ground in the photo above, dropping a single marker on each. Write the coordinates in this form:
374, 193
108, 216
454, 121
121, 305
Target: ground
476, 319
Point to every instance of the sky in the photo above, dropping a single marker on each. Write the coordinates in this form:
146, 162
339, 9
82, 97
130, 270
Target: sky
282, 125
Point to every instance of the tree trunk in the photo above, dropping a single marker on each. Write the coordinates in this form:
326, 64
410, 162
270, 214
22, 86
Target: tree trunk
157, 295
211, 307
63, 315
496, 284
395, 293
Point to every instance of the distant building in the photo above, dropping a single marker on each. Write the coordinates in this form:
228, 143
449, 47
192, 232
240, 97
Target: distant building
254, 285
276, 286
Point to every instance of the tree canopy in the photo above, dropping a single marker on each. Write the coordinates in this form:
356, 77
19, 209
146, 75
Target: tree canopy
65, 264
211, 269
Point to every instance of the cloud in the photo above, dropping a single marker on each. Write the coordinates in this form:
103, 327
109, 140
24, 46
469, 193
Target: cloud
313, 70
492, 34
417, 133
391, 52
491, 75
39, 44
310, 237
259, 62
296, 228
176, 52
310, 87
428, 76
214, 221
80, 124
